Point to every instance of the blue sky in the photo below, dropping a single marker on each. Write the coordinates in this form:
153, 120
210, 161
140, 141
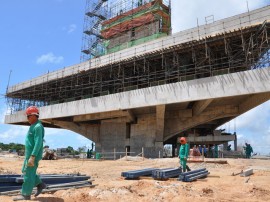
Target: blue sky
38, 36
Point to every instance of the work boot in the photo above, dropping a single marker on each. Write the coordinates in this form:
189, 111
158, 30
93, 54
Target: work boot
188, 169
40, 187
21, 198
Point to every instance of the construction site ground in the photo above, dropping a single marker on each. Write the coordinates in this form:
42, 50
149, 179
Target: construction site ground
220, 185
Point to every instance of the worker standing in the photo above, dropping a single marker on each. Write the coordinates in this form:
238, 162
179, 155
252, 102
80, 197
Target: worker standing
33, 154
248, 150
183, 154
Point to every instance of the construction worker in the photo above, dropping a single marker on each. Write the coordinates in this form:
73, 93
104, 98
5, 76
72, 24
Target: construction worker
183, 154
248, 150
33, 154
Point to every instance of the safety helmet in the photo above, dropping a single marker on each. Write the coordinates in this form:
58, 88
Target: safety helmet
183, 140
32, 110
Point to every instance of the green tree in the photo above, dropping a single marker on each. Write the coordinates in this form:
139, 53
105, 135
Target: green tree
70, 150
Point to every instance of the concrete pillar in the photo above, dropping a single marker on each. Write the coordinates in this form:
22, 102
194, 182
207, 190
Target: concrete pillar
235, 142
225, 145
160, 121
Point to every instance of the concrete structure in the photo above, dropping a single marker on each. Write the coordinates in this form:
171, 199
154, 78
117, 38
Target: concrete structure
153, 113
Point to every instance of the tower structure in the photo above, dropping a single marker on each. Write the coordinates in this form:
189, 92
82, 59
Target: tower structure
135, 22
95, 12
123, 24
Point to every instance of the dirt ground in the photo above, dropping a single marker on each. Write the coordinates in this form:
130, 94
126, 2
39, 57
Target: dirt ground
220, 185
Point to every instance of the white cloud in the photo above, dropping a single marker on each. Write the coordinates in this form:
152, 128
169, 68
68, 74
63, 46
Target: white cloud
49, 58
53, 131
2, 115
84, 141
253, 127
256, 119
71, 28
13, 134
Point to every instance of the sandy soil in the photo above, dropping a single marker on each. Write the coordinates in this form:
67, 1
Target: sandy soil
220, 185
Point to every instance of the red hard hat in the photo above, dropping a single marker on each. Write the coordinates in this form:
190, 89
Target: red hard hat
32, 110
183, 140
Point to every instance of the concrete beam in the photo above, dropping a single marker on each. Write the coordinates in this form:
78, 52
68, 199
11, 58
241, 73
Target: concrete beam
87, 130
184, 113
176, 126
131, 116
253, 101
211, 138
100, 116
199, 106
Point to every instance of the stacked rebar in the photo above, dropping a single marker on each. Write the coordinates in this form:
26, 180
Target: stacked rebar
138, 173
166, 173
193, 175
12, 184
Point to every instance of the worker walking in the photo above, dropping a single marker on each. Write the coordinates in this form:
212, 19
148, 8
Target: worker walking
33, 154
183, 154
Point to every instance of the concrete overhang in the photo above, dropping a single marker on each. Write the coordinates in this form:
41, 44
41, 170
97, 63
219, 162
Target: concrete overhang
245, 83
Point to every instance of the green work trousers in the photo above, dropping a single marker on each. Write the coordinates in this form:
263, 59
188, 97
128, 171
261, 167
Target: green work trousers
30, 177
183, 163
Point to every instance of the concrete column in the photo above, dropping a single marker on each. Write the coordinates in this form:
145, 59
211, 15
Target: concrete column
160, 121
235, 142
225, 145
160, 117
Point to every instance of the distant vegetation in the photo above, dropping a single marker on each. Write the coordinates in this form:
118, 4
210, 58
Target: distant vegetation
11, 146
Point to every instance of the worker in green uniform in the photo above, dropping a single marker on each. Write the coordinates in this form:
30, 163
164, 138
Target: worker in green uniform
183, 154
248, 150
33, 154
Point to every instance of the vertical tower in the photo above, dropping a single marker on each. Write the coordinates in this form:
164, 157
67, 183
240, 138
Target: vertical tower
95, 12
123, 24
133, 22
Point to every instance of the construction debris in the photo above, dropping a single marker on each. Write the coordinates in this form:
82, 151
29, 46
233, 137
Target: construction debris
49, 154
234, 174
246, 181
246, 173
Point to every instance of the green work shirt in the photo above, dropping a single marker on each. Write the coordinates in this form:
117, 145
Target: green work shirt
34, 141
184, 151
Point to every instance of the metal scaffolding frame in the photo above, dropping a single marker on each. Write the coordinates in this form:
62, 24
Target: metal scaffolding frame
96, 11
227, 52
124, 18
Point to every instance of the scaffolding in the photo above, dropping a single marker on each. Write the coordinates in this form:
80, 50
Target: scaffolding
245, 49
220, 48
123, 24
96, 11
136, 22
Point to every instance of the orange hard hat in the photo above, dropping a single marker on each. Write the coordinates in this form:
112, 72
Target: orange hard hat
32, 110
183, 140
